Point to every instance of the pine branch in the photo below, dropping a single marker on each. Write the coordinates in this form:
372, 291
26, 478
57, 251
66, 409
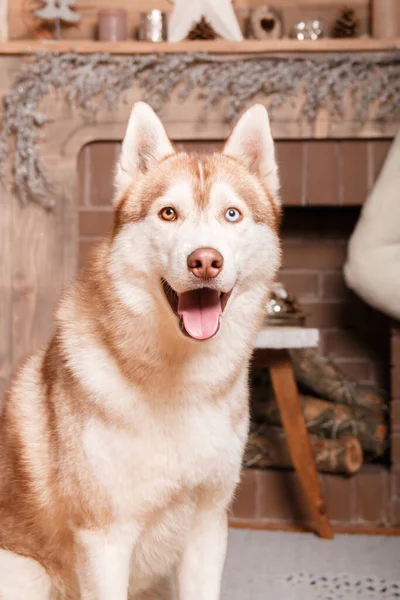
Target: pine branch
91, 82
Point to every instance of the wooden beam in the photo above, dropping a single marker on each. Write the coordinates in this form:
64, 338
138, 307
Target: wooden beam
213, 47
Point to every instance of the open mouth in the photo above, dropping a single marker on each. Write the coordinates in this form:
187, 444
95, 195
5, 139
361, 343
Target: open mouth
199, 310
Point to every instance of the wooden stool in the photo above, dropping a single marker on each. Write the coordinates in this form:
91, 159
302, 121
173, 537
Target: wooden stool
273, 344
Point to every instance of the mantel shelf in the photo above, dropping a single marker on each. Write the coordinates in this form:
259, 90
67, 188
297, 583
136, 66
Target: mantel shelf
216, 46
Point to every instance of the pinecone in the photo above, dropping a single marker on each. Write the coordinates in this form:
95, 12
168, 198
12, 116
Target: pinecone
346, 25
202, 31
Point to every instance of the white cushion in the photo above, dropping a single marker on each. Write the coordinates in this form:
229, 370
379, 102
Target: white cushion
372, 269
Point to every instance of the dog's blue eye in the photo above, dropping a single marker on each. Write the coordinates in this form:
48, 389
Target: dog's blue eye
233, 215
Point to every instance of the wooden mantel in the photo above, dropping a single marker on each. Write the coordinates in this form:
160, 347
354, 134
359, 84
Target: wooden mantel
215, 47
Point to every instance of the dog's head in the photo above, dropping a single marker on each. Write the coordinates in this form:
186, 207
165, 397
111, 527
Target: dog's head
196, 230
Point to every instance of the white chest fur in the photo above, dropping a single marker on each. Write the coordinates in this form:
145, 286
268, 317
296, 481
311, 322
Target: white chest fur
157, 469
163, 452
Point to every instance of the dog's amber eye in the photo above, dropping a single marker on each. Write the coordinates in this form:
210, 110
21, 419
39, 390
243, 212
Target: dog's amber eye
168, 214
233, 215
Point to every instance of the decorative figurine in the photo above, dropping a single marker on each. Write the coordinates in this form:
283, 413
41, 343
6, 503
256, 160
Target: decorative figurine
347, 25
219, 14
265, 23
57, 11
308, 30
202, 31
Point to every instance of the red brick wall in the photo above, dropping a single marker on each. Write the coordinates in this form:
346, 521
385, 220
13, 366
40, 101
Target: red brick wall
314, 251
314, 174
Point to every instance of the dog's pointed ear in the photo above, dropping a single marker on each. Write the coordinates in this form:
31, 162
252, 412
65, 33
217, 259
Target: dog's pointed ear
145, 143
251, 143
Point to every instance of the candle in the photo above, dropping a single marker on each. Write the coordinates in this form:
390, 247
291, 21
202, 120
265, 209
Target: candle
153, 26
113, 25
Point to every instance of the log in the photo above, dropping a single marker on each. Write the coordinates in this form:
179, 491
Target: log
321, 376
330, 420
267, 447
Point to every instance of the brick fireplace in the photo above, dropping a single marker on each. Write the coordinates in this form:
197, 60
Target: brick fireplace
327, 168
324, 184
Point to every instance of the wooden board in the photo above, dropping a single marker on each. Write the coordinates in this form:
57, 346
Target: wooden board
293, 11
7, 258
216, 47
287, 398
6, 265
38, 250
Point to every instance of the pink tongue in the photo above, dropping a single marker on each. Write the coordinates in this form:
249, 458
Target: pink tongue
200, 311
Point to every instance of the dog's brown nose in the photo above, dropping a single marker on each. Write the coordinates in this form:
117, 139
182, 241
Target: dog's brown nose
205, 263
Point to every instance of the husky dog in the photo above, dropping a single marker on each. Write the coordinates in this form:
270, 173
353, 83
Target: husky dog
122, 440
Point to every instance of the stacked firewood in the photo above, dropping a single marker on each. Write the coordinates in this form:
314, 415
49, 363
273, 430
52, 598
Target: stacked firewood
347, 421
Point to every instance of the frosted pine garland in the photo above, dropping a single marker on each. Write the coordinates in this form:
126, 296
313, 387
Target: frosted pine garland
91, 82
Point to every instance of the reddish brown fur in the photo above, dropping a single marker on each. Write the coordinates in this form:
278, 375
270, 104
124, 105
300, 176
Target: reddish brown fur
38, 517
135, 203
138, 199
